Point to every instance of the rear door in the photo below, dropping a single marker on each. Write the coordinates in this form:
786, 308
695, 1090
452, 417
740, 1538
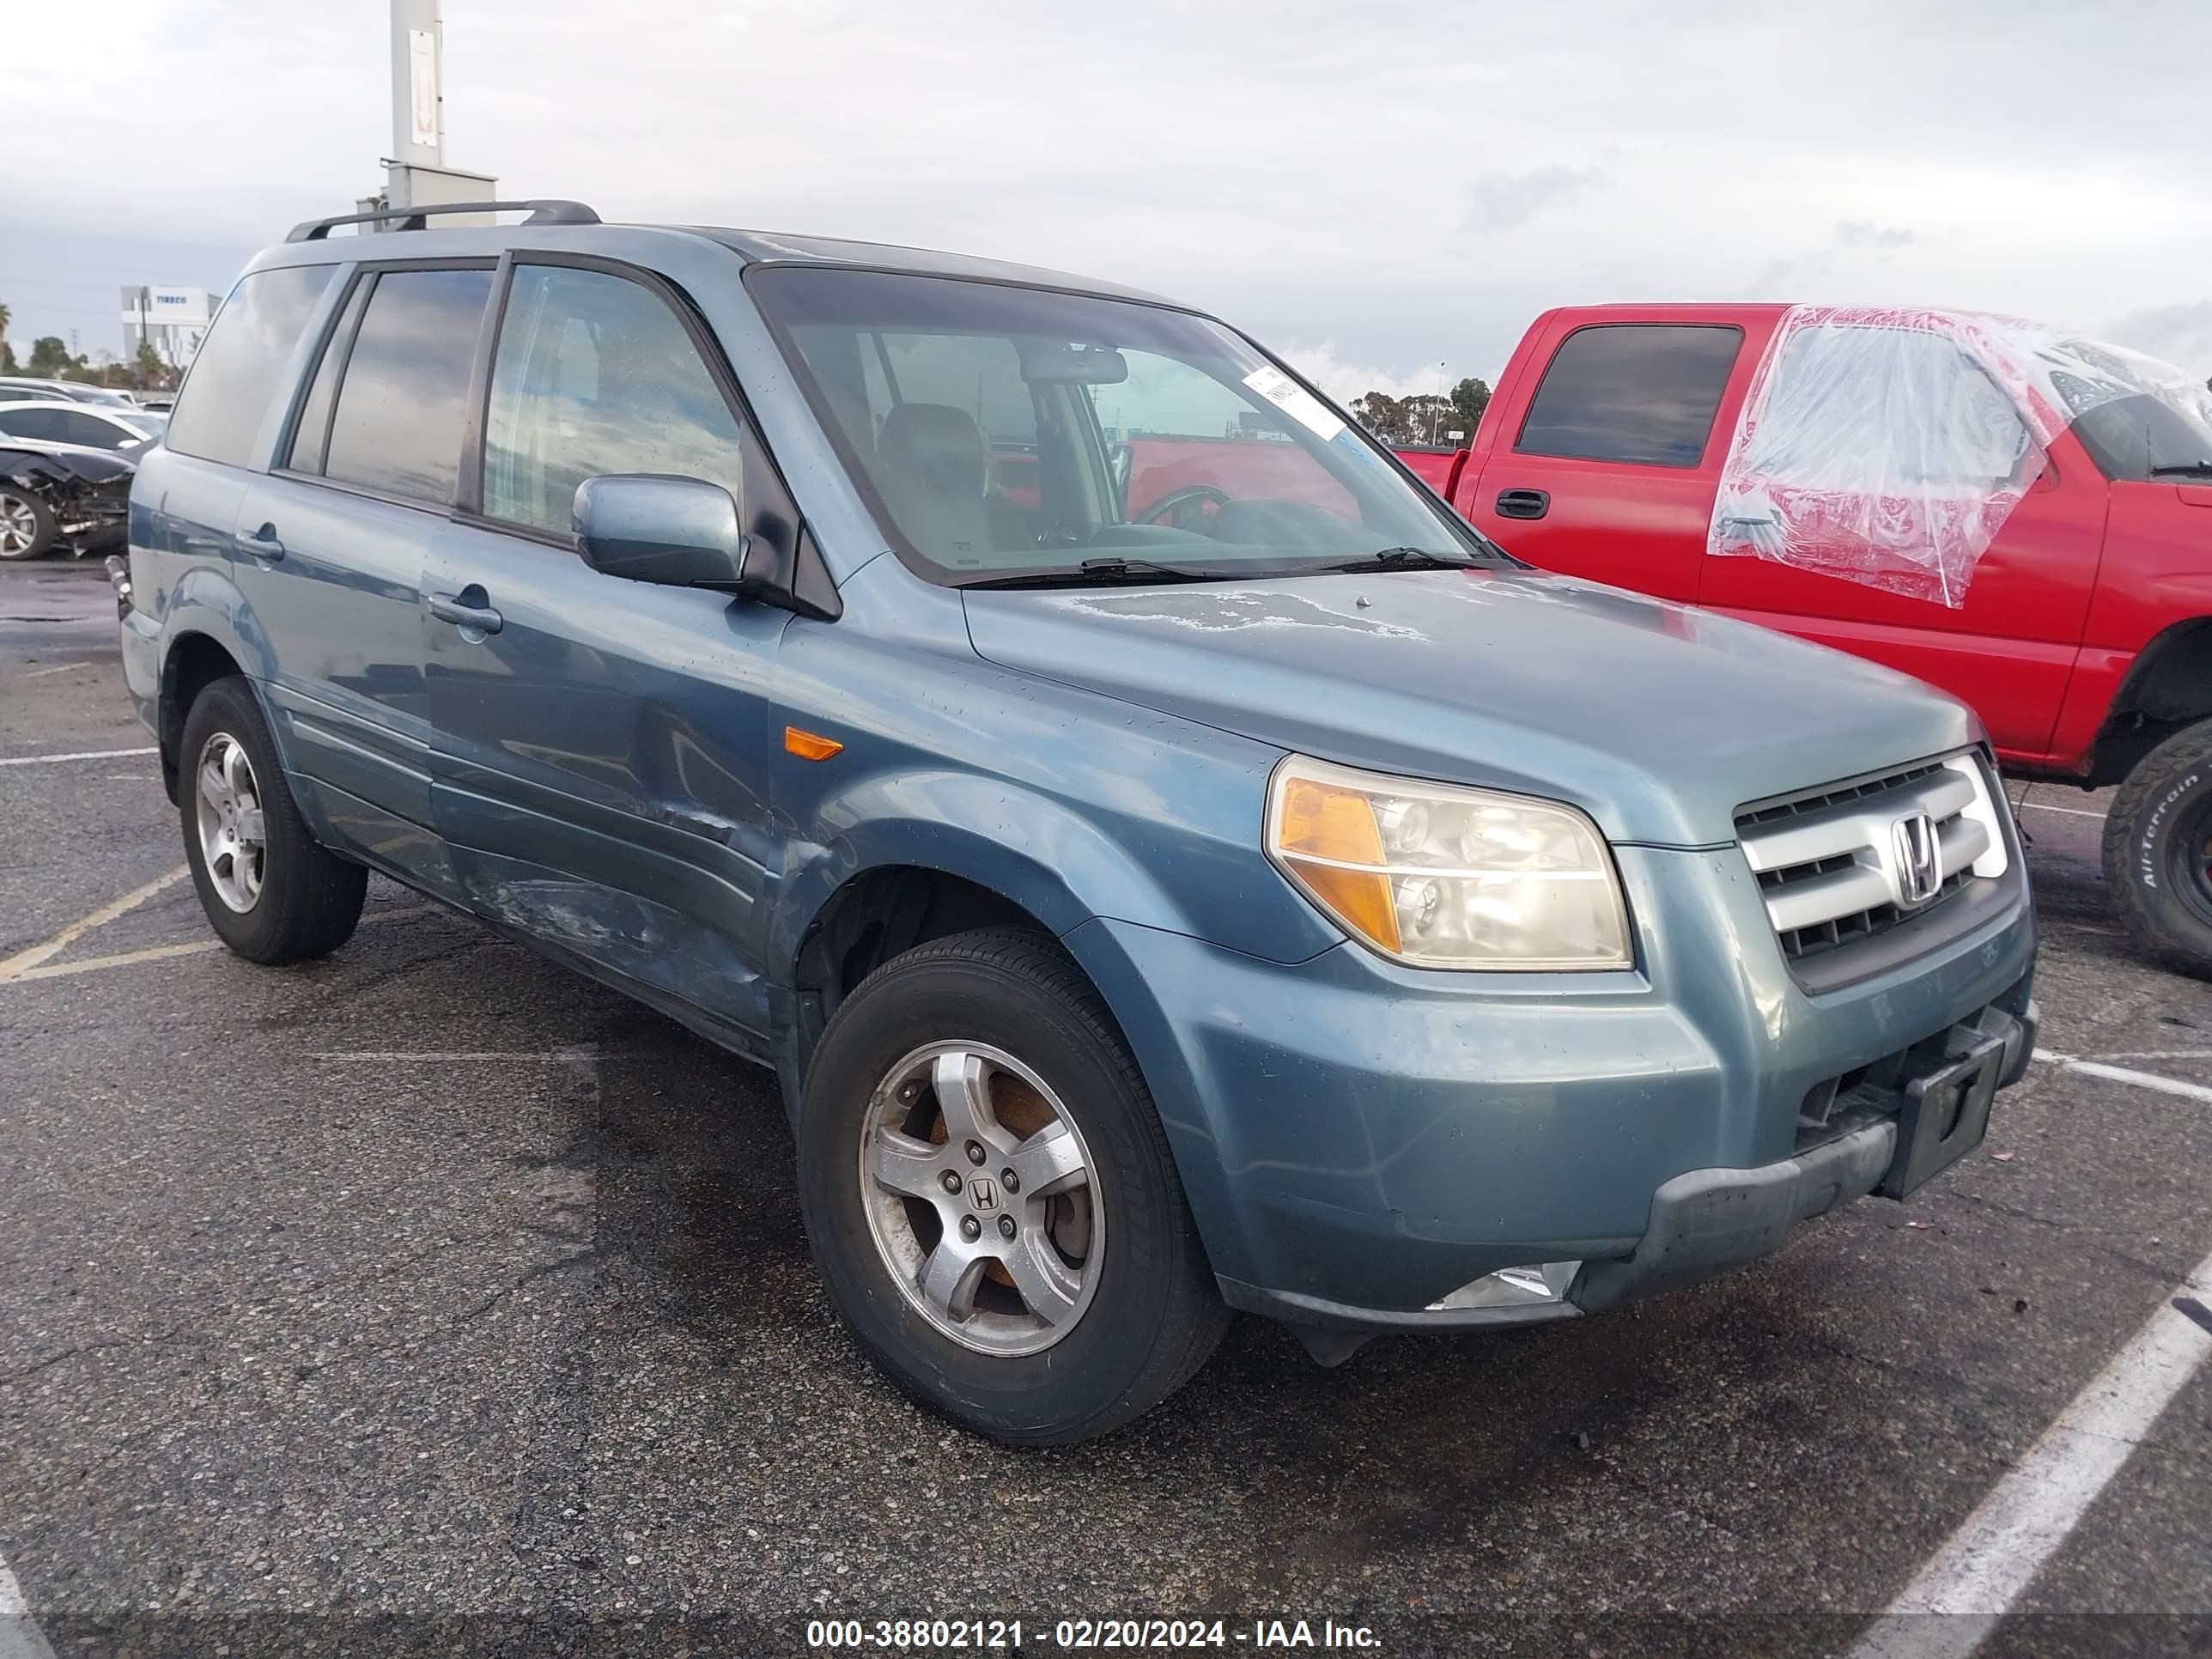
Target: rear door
331, 546
1611, 472
601, 745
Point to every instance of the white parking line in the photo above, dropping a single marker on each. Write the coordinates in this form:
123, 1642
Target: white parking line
566, 1056
1955, 1600
80, 754
19, 965
20, 1638
163, 952
2164, 1085
59, 668
2070, 812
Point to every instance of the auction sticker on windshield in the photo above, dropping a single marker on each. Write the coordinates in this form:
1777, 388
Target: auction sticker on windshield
1294, 400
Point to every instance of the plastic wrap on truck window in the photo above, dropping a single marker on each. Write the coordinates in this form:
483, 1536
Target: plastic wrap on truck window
1888, 447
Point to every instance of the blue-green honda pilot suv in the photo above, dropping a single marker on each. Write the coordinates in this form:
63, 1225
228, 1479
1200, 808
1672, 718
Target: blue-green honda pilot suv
1171, 863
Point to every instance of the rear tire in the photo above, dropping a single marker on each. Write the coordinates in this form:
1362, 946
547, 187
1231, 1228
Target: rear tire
272, 893
26, 524
1129, 1307
2158, 851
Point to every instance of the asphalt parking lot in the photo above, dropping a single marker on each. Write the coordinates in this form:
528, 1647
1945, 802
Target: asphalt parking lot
431, 1298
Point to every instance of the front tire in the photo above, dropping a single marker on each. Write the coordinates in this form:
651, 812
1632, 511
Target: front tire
272, 893
2158, 851
26, 524
1042, 1309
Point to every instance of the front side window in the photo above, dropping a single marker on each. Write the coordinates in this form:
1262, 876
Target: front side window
1003, 433
1883, 409
82, 426
396, 427
1646, 395
219, 411
594, 374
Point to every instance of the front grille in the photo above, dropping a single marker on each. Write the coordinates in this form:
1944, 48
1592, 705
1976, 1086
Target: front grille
1836, 866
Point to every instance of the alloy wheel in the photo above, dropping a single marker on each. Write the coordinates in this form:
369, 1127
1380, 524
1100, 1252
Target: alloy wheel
232, 830
981, 1197
19, 526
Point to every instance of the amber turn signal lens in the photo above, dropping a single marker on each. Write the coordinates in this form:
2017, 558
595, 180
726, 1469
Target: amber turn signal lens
810, 745
1325, 822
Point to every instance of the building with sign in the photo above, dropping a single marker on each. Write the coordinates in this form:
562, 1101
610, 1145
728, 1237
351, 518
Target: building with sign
173, 320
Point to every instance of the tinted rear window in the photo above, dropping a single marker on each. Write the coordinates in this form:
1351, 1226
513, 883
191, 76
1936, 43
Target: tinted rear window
397, 426
1631, 392
218, 414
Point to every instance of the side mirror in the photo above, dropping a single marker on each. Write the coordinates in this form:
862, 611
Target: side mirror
655, 527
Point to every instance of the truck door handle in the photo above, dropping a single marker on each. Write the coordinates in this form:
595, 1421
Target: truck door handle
1523, 503
448, 607
262, 544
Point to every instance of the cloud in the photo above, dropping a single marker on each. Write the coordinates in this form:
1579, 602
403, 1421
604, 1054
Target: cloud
1850, 237
1465, 168
2181, 334
1861, 233
1500, 201
1344, 381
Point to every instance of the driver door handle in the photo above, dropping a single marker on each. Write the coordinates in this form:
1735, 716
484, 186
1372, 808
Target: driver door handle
447, 607
1523, 503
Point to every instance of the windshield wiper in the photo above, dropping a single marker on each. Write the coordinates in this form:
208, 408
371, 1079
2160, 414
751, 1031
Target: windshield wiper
1100, 573
1399, 558
2184, 470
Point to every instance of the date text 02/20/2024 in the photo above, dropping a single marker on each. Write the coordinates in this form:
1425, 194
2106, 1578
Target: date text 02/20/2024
1076, 1635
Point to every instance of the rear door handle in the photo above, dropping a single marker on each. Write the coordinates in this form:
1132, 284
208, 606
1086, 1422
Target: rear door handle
262, 544
1523, 503
447, 607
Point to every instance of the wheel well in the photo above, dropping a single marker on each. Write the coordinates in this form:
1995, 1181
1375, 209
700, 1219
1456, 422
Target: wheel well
2169, 687
876, 915
195, 663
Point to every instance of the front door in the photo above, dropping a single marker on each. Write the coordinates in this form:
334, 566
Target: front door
600, 750
1873, 437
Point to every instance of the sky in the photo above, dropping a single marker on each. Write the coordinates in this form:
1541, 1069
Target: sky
1385, 193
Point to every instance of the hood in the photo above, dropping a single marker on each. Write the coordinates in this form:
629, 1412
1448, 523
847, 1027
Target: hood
1657, 720
81, 460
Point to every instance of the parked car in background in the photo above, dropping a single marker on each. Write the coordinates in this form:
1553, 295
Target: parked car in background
2018, 516
68, 392
54, 496
83, 426
1306, 907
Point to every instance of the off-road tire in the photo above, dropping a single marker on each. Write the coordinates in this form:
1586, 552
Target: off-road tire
2155, 838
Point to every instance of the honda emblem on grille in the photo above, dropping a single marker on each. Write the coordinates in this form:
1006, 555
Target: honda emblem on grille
1918, 874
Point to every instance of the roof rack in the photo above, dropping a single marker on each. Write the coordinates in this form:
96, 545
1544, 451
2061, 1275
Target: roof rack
549, 212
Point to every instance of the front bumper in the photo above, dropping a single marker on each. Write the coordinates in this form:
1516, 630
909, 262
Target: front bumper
1360, 1140
1703, 1223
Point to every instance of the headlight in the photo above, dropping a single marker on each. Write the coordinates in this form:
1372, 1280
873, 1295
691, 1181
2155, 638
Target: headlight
1440, 876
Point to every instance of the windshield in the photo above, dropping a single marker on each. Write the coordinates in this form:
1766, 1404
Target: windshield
146, 425
1004, 433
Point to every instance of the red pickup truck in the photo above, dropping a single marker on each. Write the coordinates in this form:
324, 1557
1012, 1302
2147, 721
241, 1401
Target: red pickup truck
2021, 518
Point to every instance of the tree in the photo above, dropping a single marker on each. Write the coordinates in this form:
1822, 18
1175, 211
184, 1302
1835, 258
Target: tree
1470, 397
153, 373
49, 356
7, 351
1423, 418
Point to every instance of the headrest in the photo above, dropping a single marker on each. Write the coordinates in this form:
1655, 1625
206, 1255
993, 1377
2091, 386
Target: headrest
935, 444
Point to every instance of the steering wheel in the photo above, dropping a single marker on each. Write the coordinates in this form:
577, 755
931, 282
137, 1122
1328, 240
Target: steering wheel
1179, 505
